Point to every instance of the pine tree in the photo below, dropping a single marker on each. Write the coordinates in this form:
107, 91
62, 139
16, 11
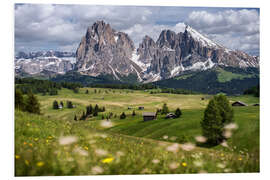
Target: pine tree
75, 117
226, 111
32, 104
69, 104
55, 104
133, 113
83, 117
86, 92
123, 116
165, 109
96, 109
19, 101
62, 104
212, 126
178, 112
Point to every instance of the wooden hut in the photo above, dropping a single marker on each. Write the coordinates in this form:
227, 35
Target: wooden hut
141, 108
147, 116
239, 103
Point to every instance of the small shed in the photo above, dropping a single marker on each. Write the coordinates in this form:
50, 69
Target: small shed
147, 116
60, 106
141, 108
257, 104
239, 103
170, 116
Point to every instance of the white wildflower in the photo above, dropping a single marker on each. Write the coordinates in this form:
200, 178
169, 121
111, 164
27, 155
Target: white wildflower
188, 146
231, 126
81, 151
106, 124
97, 170
198, 163
101, 152
173, 165
67, 140
227, 134
220, 165
201, 139
165, 137
155, 161
173, 148
224, 144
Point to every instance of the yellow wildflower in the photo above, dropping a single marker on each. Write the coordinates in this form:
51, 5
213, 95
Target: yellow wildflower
31, 145
28, 124
26, 162
240, 159
107, 160
36, 139
184, 164
47, 141
85, 147
17, 156
24, 143
221, 154
49, 137
40, 163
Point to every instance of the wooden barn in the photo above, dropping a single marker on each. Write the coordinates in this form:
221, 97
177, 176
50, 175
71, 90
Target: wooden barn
147, 116
239, 103
141, 108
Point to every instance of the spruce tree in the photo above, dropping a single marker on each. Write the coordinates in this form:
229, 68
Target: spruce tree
226, 111
123, 116
62, 104
32, 104
55, 104
178, 112
96, 109
133, 113
86, 92
75, 117
165, 109
212, 126
19, 101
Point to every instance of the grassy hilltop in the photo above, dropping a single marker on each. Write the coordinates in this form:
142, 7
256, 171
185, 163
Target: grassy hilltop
54, 144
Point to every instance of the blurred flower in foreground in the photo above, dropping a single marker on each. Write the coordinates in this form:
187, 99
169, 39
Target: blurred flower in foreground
227, 134
188, 146
220, 165
224, 144
155, 161
198, 163
231, 126
67, 140
184, 164
165, 137
101, 152
17, 156
80, 151
146, 171
173, 148
39, 164
106, 124
108, 160
201, 139
173, 165
97, 170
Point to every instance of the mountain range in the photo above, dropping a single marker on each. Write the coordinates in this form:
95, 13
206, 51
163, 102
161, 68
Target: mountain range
173, 60
104, 51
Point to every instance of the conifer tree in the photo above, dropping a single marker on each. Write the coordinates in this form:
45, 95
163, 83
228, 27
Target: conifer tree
178, 112
55, 104
123, 115
86, 92
75, 117
164, 109
212, 126
19, 100
133, 113
226, 111
32, 104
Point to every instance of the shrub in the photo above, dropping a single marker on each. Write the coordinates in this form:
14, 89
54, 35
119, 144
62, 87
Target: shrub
55, 104
32, 104
178, 112
123, 116
164, 109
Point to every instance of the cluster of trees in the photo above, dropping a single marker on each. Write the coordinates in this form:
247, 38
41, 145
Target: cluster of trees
217, 114
43, 86
165, 110
90, 111
125, 86
173, 91
29, 103
255, 90
61, 104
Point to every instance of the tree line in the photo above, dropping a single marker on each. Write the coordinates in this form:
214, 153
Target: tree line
28, 103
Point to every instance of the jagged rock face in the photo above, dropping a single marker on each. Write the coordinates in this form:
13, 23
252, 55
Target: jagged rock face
105, 51
189, 50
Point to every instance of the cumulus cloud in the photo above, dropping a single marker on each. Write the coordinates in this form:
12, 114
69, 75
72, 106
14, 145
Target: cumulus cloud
235, 29
61, 27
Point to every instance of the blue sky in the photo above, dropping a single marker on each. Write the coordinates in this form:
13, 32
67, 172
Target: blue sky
61, 27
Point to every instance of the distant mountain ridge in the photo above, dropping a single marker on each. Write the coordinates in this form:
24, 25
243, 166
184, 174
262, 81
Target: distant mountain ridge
103, 50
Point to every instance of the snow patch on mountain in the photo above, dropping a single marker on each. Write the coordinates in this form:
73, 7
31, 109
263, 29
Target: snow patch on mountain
135, 58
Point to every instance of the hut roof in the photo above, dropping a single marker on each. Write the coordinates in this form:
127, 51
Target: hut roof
149, 114
240, 102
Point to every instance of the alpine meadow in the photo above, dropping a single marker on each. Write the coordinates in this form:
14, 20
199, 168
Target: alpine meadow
117, 90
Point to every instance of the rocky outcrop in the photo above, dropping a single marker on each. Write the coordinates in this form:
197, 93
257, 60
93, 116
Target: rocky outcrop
104, 51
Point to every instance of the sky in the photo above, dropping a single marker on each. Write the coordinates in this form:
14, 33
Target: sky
61, 27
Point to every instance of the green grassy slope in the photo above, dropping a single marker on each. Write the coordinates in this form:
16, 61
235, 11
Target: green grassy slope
130, 145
